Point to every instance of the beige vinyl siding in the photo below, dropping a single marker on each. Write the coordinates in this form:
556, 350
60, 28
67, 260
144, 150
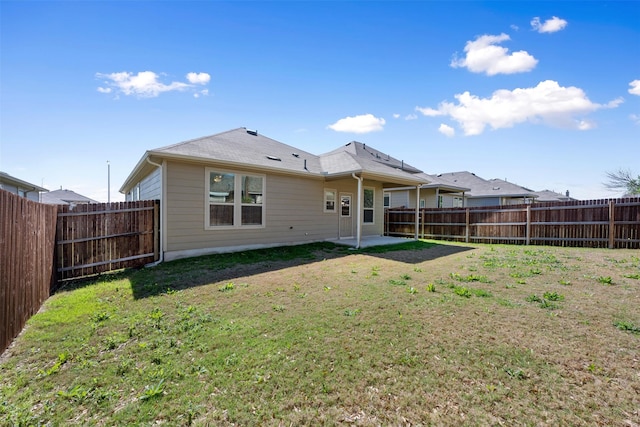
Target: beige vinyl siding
377, 228
293, 212
151, 186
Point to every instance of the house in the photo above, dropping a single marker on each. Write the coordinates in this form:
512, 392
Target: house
65, 197
436, 193
552, 196
488, 192
21, 188
240, 190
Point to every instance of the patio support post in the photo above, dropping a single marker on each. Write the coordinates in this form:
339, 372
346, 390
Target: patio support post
358, 210
417, 213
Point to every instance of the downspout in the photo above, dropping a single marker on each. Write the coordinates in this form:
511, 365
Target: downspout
162, 212
417, 235
358, 227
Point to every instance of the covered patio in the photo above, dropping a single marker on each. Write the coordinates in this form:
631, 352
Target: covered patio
369, 241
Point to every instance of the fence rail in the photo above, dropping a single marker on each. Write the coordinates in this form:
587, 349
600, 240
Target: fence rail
27, 236
608, 223
96, 238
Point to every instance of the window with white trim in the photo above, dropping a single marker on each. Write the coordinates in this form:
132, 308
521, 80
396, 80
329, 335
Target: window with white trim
330, 200
386, 199
234, 199
368, 205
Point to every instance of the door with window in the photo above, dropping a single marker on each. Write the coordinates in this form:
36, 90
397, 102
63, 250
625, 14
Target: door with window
346, 216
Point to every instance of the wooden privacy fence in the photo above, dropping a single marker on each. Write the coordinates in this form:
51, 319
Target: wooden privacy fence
27, 236
604, 223
101, 237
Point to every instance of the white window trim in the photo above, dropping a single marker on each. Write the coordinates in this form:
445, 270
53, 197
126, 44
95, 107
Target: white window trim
386, 194
335, 200
237, 204
372, 209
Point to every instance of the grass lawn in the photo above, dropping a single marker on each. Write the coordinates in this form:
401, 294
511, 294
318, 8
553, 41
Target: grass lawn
422, 333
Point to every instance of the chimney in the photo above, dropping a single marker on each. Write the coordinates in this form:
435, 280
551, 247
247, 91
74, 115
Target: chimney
567, 193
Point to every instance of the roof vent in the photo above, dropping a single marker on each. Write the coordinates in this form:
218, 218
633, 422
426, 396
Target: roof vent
252, 132
496, 188
295, 154
277, 159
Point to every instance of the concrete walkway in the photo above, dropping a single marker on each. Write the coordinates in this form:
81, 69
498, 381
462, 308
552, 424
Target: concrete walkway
368, 241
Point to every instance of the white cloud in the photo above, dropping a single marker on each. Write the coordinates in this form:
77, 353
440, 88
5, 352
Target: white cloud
204, 92
359, 124
635, 118
549, 26
396, 116
635, 87
547, 103
410, 117
147, 84
198, 78
429, 112
446, 130
484, 56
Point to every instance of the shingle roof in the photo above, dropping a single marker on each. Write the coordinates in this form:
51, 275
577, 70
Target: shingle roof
360, 150
551, 196
241, 146
479, 187
245, 148
64, 197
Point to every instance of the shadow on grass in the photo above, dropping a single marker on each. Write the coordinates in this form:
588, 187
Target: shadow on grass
198, 271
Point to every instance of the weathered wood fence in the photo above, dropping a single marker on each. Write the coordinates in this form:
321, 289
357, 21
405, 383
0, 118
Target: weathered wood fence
608, 223
27, 238
42, 246
100, 237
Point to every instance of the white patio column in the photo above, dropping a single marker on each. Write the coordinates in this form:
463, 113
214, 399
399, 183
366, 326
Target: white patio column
417, 233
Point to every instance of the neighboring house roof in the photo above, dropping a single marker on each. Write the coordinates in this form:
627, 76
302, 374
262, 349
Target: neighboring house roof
360, 150
245, 148
7, 179
442, 185
479, 187
65, 197
552, 196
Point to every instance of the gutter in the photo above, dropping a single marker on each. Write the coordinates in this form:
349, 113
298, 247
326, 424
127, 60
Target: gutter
162, 213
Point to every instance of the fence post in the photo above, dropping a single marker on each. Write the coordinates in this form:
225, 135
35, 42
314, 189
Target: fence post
466, 228
612, 223
528, 228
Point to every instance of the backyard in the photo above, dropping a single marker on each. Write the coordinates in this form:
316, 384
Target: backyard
421, 333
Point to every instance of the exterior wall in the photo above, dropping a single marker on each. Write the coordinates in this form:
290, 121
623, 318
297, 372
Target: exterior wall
294, 213
149, 188
399, 198
483, 201
28, 194
377, 228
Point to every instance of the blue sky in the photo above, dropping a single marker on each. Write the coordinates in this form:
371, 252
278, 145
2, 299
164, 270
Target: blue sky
543, 94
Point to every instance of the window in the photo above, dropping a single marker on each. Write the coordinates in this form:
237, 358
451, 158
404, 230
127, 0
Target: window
386, 197
423, 203
345, 205
225, 208
368, 205
457, 202
329, 200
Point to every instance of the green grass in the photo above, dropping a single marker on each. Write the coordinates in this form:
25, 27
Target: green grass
315, 335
